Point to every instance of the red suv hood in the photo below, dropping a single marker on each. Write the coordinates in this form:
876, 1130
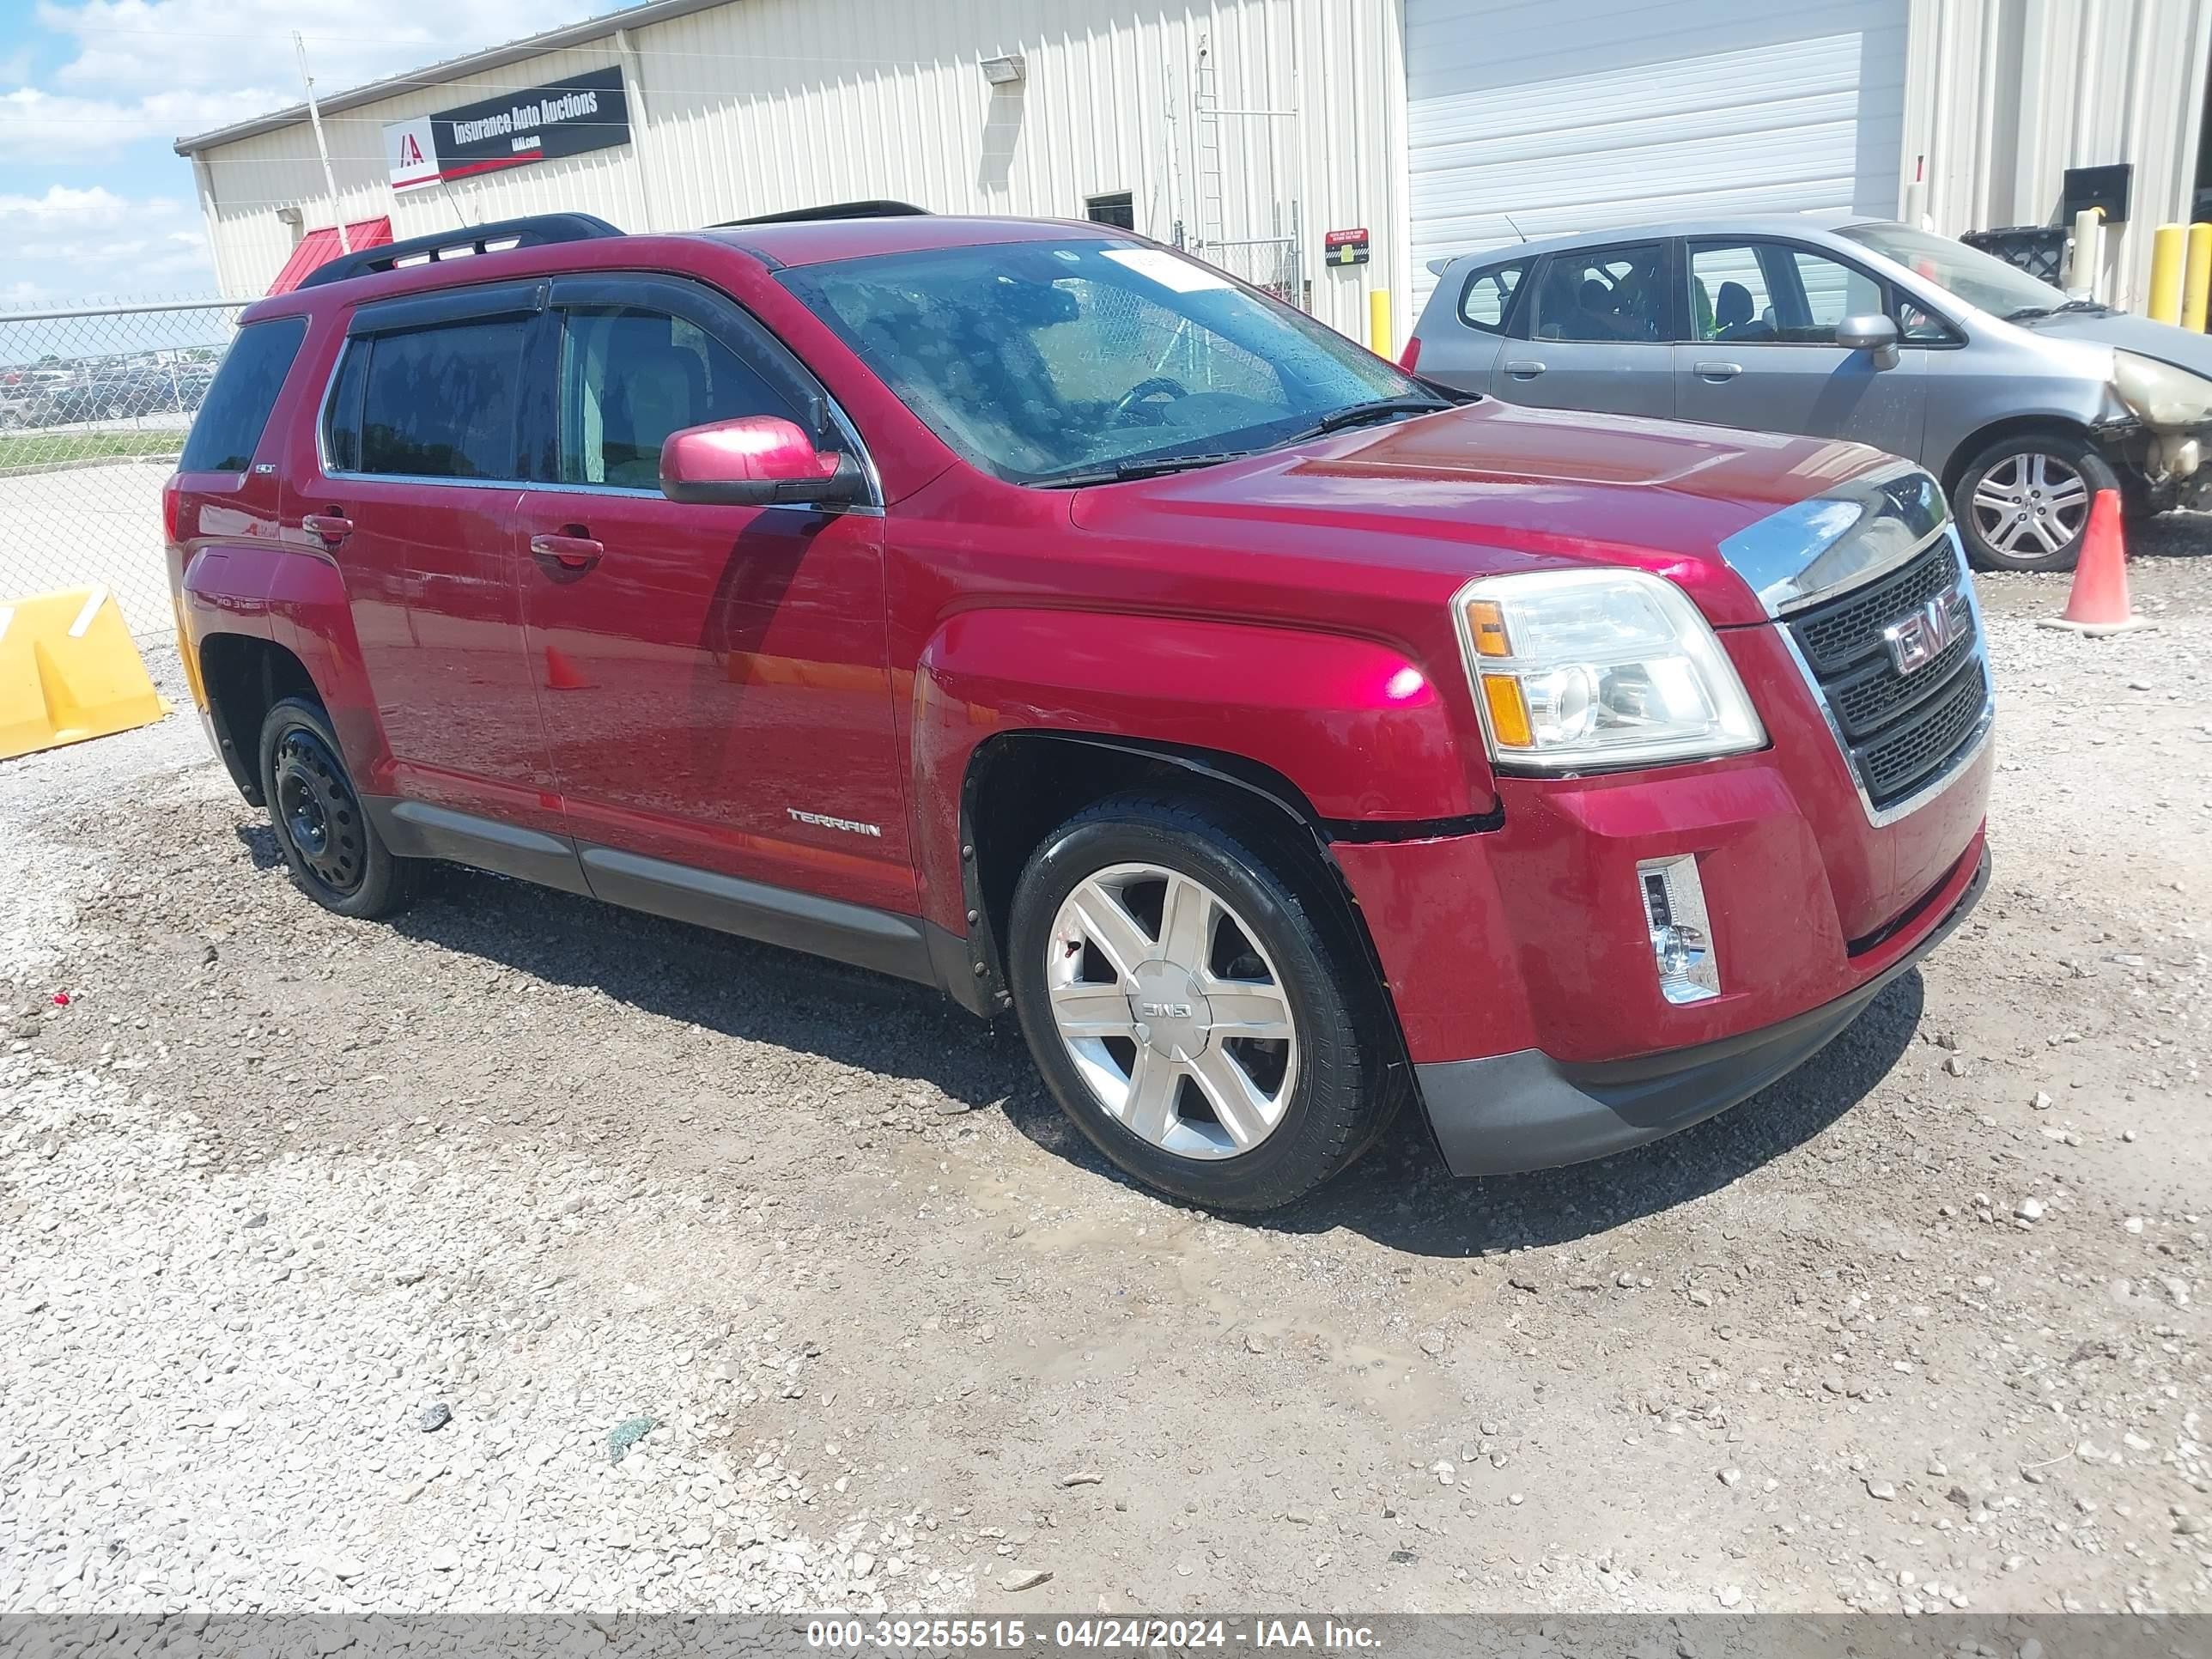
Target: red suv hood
1496, 487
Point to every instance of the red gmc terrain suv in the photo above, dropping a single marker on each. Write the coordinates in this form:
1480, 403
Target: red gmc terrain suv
1029, 610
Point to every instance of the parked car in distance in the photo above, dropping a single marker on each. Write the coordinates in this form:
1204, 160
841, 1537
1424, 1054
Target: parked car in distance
2024, 403
1035, 613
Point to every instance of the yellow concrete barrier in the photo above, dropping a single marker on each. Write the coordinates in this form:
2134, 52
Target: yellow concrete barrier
2196, 284
2165, 246
69, 671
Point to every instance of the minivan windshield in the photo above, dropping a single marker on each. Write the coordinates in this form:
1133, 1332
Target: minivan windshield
1082, 362
1980, 279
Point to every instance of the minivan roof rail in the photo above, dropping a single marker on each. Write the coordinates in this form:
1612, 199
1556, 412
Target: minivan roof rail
834, 210
538, 230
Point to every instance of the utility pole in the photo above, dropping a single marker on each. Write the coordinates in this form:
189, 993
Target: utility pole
315, 115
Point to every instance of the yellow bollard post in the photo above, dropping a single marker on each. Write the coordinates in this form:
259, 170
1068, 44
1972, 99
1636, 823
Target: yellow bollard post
1379, 322
2166, 275
2197, 282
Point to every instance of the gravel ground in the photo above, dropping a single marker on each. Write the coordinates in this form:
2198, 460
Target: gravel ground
526, 1253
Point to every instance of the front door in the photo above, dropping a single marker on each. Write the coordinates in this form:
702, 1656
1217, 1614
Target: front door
1600, 334
713, 679
419, 484
1762, 351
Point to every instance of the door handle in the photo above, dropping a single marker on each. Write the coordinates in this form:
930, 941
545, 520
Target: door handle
1717, 373
1527, 369
332, 526
567, 552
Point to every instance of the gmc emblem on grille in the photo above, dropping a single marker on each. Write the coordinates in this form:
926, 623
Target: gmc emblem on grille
1916, 641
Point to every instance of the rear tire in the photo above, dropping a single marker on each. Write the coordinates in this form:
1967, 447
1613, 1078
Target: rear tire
329, 844
1141, 929
2023, 503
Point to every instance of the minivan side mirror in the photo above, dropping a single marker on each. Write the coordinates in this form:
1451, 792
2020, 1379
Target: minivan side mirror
755, 460
1876, 334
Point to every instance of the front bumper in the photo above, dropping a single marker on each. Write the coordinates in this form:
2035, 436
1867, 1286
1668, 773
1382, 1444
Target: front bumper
1528, 1111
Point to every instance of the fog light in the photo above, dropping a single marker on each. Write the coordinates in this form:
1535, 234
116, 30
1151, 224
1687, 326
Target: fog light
1682, 940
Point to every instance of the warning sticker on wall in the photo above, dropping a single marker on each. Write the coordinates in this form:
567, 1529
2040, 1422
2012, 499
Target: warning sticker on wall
1346, 248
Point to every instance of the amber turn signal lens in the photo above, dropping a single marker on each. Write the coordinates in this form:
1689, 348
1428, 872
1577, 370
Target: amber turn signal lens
1509, 711
1485, 624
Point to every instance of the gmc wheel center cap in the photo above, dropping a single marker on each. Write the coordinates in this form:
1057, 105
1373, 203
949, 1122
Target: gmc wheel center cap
1172, 1016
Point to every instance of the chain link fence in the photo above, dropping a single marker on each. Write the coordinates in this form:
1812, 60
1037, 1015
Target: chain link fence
94, 403
1270, 263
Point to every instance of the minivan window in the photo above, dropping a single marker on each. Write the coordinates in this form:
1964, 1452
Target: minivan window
1980, 279
629, 378
439, 403
228, 427
1489, 296
1766, 292
1608, 294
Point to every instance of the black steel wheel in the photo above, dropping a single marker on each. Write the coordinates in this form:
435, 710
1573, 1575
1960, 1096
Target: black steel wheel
318, 811
329, 842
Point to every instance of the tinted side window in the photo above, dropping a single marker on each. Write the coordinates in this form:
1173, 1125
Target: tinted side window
1489, 297
439, 403
1606, 295
342, 419
228, 427
629, 378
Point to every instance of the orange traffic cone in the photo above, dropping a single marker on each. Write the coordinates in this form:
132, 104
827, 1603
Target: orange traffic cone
561, 675
2098, 605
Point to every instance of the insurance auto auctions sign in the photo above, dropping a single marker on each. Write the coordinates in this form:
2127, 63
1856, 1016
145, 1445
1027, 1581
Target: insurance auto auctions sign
536, 124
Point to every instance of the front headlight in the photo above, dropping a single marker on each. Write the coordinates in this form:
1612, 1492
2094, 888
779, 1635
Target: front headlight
1575, 669
2159, 394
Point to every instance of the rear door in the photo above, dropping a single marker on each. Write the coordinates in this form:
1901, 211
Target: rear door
1762, 351
1463, 347
1601, 327
713, 679
422, 473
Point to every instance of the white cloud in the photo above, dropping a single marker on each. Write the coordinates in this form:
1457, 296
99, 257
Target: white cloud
71, 244
134, 75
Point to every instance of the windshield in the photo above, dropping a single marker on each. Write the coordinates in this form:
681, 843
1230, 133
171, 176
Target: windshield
1980, 279
1043, 361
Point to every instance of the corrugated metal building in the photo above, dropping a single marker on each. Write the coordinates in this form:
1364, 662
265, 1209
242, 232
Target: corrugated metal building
1250, 129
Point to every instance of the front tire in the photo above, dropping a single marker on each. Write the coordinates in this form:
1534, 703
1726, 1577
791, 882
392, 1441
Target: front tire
2023, 503
1197, 1011
330, 845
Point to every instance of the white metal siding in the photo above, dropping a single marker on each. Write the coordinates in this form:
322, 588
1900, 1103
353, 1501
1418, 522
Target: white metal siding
762, 104
1553, 116
2006, 94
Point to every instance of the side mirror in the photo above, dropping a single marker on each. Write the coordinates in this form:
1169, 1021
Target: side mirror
755, 460
1876, 334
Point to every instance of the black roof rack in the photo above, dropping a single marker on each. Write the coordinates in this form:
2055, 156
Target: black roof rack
538, 230
834, 210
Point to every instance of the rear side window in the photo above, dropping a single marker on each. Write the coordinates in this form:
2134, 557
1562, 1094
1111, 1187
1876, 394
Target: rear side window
1489, 297
228, 427
439, 403
1607, 296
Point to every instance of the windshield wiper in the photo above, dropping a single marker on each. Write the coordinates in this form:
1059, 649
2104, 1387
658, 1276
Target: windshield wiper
2029, 314
1150, 466
1379, 409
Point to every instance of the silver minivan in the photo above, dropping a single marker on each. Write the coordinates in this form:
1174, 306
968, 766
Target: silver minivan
2024, 403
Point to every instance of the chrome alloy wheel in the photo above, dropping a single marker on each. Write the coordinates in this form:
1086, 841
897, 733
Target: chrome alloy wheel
1171, 1012
2027, 506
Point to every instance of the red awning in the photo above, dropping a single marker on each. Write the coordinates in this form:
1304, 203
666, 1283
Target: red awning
319, 248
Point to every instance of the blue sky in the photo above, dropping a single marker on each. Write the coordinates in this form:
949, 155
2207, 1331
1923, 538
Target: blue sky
93, 93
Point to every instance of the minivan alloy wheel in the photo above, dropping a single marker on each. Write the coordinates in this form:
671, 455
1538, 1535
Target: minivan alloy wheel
2031, 504
1171, 1012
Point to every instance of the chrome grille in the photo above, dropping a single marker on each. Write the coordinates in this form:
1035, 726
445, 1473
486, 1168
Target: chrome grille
1898, 731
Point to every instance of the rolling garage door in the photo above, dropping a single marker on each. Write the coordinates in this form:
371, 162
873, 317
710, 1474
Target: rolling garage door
1536, 118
